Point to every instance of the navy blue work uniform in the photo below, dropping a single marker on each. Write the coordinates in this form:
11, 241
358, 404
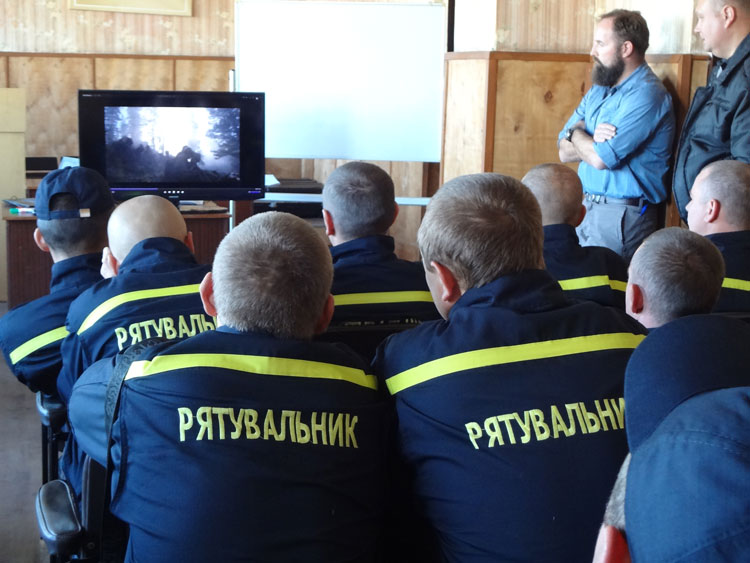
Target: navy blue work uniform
239, 446
154, 294
735, 290
595, 273
510, 416
687, 389
370, 284
30, 334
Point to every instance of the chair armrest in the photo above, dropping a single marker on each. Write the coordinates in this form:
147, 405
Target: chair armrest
56, 516
52, 411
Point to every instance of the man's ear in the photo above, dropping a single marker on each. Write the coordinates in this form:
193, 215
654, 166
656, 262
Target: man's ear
189, 241
450, 291
581, 216
328, 222
713, 209
207, 295
633, 299
611, 546
325, 317
110, 265
626, 49
39, 240
728, 14
395, 213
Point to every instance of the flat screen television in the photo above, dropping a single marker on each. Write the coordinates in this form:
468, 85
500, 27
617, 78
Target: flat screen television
180, 145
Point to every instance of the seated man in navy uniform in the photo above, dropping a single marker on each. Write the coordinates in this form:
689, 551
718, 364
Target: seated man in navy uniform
685, 495
585, 272
72, 207
370, 284
250, 442
510, 411
674, 273
154, 293
720, 210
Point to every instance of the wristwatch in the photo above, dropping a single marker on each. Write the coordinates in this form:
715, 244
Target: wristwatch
569, 134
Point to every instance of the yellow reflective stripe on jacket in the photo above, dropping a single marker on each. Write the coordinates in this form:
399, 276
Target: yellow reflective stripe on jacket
114, 302
734, 283
263, 365
377, 297
510, 354
31, 346
592, 281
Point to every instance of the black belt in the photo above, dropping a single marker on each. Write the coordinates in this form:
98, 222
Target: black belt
601, 198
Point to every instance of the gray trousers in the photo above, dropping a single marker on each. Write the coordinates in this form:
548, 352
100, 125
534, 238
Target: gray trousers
619, 227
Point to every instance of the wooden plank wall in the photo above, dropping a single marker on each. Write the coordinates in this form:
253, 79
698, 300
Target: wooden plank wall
566, 26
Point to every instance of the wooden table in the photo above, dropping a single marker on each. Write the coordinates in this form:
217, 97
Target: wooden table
29, 268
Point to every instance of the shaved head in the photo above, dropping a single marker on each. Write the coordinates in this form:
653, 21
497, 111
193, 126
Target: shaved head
559, 192
140, 218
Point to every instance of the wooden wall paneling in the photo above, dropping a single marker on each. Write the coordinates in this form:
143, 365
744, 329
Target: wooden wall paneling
52, 84
699, 74
210, 75
284, 167
50, 26
466, 114
534, 25
4, 72
410, 180
670, 23
534, 100
131, 73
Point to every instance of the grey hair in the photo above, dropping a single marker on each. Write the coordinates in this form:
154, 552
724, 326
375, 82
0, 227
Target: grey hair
614, 513
728, 181
272, 273
680, 273
360, 198
559, 192
482, 226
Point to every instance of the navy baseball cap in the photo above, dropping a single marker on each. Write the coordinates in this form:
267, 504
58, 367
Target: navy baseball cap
88, 187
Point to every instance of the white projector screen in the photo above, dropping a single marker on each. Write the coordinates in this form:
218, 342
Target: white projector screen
345, 80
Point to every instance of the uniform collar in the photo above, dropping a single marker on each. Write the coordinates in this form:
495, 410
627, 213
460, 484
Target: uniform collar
157, 254
737, 58
726, 240
561, 233
78, 271
364, 249
527, 291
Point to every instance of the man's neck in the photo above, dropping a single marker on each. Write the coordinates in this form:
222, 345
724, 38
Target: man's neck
630, 67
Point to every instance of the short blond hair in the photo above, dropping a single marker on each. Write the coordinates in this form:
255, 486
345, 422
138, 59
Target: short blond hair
481, 227
272, 273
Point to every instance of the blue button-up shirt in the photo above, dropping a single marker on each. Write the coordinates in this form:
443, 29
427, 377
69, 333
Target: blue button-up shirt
638, 156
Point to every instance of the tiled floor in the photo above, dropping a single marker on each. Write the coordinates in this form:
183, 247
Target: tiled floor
20, 470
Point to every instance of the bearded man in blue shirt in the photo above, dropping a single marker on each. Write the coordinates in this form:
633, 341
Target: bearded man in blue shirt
621, 133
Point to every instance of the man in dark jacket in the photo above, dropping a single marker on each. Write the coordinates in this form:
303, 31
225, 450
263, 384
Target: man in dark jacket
720, 210
717, 126
153, 293
509, 410
370, 283
584, 272
72, 207
250, 442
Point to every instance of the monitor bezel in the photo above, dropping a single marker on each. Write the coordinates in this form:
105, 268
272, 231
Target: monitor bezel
91, 104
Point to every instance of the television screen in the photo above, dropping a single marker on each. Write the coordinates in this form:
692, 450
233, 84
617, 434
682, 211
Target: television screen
193, 145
